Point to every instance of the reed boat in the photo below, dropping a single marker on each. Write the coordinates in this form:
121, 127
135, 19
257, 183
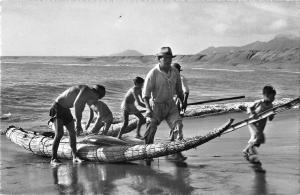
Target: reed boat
113, 129
101, 148
120, 151
194, 110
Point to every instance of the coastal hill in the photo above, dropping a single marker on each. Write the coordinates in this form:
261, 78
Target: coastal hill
282, 52
128, 53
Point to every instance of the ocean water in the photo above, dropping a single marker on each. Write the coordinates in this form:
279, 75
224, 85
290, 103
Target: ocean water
30, 85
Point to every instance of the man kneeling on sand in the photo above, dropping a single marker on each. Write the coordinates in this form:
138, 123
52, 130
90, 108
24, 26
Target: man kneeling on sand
60, 113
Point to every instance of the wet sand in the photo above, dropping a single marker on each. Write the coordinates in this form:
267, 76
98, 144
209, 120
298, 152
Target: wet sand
216, 167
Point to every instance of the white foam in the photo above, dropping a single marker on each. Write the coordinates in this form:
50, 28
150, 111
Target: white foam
221, 69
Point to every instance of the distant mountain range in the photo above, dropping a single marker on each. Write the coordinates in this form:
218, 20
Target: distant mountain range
128, 53
280, 42
282, 52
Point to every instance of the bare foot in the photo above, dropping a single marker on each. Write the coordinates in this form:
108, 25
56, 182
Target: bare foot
55, 162
77, 160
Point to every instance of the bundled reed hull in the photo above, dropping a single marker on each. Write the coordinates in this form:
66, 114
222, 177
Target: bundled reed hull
113, 130
42, 145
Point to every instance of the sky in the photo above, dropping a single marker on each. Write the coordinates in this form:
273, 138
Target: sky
105, 27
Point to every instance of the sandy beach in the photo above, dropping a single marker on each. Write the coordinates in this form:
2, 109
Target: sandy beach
216, 167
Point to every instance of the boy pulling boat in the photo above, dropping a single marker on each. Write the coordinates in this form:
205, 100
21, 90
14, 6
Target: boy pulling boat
128, 107
257, 129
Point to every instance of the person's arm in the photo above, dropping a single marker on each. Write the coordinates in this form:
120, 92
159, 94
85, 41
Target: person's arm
179, 91
148, 107
185, 89
98, 125
79, 104
137, 94
272, 116
90, 119
185, 98
146, 92
251, 110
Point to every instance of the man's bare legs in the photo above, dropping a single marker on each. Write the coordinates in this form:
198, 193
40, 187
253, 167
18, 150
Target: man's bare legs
72, 134
125, 124
59, 132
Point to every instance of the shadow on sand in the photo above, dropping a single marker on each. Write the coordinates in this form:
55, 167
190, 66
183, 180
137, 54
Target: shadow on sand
259, 181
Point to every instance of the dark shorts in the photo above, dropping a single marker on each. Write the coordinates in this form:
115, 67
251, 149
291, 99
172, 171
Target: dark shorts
59, 112
259, 139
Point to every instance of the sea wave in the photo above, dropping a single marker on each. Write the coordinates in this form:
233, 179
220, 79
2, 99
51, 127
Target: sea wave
214, 109
120, 65
73, 64
222, 69
286, 71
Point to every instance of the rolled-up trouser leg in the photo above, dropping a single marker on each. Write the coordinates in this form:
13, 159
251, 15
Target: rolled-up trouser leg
151, 128
177, 131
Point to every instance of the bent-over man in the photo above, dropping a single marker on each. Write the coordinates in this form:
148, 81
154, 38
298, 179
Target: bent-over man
60, 113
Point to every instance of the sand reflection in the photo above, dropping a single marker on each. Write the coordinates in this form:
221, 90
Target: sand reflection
96, 178
259, 181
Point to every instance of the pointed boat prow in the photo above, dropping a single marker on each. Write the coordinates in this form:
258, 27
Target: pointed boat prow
226, 126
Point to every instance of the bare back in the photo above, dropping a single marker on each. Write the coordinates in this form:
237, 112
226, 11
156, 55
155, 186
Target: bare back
129, 97
101, 108
68, 97
133, 95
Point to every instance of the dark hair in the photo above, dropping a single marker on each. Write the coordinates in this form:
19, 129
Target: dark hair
100, 90
138, 80
268, 89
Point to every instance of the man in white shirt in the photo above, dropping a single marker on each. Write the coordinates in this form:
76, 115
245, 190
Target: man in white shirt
161, 84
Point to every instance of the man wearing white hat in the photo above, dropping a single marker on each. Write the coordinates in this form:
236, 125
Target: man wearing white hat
161, 84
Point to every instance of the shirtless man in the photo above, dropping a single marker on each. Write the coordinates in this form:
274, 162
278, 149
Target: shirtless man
104, 117
128, 107
61, 115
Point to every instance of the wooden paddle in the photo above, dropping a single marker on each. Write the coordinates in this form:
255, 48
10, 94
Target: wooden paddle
216, 100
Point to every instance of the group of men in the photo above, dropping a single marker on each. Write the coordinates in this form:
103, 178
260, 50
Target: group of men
164, 94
